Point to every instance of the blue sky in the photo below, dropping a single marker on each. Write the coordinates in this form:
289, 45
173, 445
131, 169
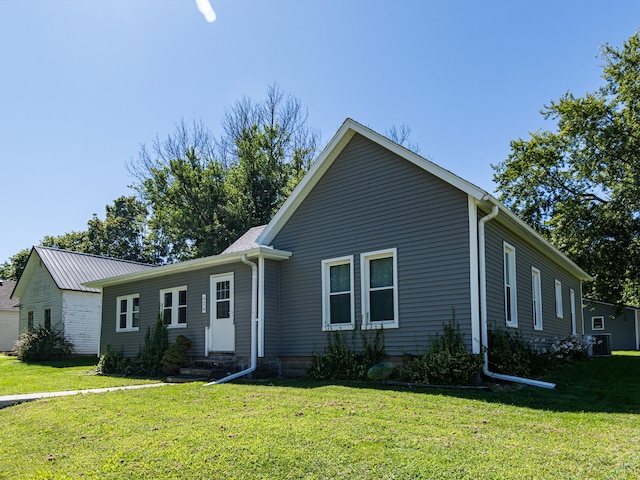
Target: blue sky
84, 83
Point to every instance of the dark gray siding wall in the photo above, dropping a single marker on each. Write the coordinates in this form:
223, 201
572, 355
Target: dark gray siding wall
526, 258
271, 308
621, 326
370, 199
198, 283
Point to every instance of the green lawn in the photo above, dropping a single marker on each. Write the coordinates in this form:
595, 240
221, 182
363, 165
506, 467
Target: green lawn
77, 374
588, 427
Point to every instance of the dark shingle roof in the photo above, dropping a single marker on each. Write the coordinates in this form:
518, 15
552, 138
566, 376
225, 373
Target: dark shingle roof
71, 269
6, 302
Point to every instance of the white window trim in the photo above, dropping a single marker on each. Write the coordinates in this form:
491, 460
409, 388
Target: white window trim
364, 293
536, 298
129, 327
574, 323
174, 306
510, 250
593, 323
327, 326
559, 307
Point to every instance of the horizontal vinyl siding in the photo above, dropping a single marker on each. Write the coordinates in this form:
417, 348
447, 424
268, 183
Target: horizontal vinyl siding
41, 293
271, 308
368, 200
526, 258
622, 327
198, 283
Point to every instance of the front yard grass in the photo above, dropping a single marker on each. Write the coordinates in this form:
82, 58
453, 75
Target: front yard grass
76, 374
588, 427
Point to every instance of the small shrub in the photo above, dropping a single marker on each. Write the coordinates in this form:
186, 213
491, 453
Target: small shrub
341, 362
148, 363
112, 362
40, 343
447, 361
176, 355
510, 354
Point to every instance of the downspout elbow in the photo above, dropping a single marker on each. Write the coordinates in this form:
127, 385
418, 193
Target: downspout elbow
483, 307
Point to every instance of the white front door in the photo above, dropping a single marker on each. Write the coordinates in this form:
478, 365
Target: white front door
222, 328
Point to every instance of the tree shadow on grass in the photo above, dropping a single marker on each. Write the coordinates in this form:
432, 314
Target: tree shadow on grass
598, 385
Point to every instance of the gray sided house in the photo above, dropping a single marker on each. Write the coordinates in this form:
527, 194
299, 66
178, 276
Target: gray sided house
52, 293
373, 238
620, 326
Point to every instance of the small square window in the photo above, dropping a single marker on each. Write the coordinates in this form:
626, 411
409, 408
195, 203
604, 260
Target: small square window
597, 323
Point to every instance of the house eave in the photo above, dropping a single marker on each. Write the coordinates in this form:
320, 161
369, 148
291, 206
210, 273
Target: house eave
533, 238
196, 264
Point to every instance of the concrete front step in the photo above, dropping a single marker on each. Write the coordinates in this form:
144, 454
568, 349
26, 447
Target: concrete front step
215, 366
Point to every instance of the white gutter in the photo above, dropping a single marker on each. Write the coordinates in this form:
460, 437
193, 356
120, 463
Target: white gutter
254, 326
483, 310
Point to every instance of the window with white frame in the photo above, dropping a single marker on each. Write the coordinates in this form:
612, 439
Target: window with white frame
128, 313
173, 305
574, 323
510, 294
30, 320
536, 294
597, 323
559, 309
337, 294
379, 284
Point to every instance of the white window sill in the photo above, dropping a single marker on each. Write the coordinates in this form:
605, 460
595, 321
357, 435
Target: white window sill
379, 325
177, 325
124, 330
337, 328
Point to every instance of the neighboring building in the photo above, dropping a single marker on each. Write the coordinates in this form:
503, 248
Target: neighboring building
52, 293
620, 324
8, 316
373, 237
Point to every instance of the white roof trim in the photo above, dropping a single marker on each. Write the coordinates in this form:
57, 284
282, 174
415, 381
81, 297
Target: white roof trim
340, 140
264, 252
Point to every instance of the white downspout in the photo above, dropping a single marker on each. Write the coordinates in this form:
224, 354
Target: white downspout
483, 310
254, 326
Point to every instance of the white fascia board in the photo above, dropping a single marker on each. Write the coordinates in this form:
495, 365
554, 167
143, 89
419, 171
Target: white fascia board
196, 264
342, 137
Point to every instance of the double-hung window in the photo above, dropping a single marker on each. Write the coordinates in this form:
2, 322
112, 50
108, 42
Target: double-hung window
379, 284
510, 297
536, 293
173, 305
559, 309
337, 294
128, 313
30, 320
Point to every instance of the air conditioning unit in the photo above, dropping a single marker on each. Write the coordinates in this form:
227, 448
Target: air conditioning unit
600, 345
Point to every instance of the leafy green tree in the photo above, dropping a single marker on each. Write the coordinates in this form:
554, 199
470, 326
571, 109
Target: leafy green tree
13, 268
203, 193
579, 185
122, 234
188, 204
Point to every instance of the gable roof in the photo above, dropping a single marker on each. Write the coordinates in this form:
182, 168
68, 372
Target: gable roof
6, 303
333, 149
70, 270
340, 140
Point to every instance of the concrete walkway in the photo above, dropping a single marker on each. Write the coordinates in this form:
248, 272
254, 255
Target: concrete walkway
8, 400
